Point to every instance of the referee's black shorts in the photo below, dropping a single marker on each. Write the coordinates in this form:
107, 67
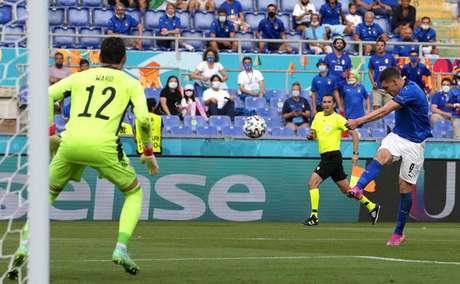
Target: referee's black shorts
331, 166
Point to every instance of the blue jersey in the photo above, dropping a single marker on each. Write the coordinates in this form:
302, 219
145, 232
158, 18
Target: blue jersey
411, 120
169, 23
379, 63
322, 86
454, 98
405, 50
415, 74
232, 9
440, 100
353, 99
123, 25
425, 35
369, 33
338, 65
271, 28
330, 15
221, 29
293, 105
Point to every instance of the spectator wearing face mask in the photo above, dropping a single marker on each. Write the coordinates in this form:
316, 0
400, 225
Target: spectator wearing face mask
354, 96
251, 81
296, 110
122, 24
272, 28
322, 84
219, 101
169, 25
170, 97
440, 109
415, 71
206, 69
222, 28
190, 104
302, 14
425, 33
58, 71
316, 31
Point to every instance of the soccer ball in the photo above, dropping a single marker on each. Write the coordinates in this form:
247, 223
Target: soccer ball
254, 126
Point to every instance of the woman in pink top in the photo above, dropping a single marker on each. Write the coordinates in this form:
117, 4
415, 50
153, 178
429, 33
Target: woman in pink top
190, 104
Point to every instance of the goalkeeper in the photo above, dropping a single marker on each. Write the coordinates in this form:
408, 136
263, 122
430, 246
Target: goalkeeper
99, 99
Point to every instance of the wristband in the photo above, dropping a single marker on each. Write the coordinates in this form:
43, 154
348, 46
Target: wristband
52, 129
148, 151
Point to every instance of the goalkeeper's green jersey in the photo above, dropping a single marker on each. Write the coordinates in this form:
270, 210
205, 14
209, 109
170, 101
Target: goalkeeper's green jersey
99, 99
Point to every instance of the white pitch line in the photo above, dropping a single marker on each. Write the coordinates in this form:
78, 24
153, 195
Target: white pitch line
389, 259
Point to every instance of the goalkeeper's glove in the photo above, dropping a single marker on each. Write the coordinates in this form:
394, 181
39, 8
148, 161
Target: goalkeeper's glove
149, 160
55, 140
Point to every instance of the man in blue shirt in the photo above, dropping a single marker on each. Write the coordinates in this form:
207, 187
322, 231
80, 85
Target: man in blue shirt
378, 62
405, 142
272, 28
440, 109
369, 31
122, 24
221, 27
296, 109
354, 96
235, 14
331, 13
414, 70
338, 62
425, 33
323, 84
405, 50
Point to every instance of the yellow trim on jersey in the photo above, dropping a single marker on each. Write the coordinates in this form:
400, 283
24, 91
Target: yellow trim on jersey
328, 130
155, 122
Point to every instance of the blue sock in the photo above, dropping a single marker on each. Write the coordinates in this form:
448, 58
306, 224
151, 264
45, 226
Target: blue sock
405, 203
372, 171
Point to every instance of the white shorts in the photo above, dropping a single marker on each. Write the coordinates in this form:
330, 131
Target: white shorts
412, 155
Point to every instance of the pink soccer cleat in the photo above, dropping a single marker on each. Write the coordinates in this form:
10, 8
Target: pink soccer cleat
355, 193
396, 240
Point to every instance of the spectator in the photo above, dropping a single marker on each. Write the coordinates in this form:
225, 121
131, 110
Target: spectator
317, 32
235, 14
201, 5
378, 62
169, 25
440, 109
354, 96
251, 81
403, 16
206, 69
369, 31
322, 84
221, 27
122, 24
425, 33
170, 97
140, 4
376, 6
190, 104
272, 28
414, 70
405, 50
302, 14
58, 71
296, 109
84, 65
331, 13
352, 17
219, 101
392, 3
338, 62
454, 103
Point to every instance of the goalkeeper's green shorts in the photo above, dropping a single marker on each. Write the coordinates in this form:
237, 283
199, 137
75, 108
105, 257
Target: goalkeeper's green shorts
72, 158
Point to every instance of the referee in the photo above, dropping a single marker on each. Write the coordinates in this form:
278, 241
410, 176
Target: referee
327, 128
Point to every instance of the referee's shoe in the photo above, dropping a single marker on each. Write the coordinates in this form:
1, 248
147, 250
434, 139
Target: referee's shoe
374, 214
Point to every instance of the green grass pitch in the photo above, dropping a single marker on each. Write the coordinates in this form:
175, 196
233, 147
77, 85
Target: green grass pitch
226, 252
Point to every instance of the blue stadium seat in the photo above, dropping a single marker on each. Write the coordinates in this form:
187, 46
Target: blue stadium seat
197, 44
274, 93
134, 13
262, 4
91, 3
21, 15
8, 37
194, 121
265, 111
90, 42
253, 19
148, 43
238, 102
273, 121
6, 14
276, 103
64, 41
152, 19
345, 4
203, 20
303, 132
219, 121
232, 131
152, 93
288, 5
239, 121
101, 17
206, 131
247, 5
78, 17
218, 3
181, 131
285, 18
442, 125
246, 46
67, 3
378, 132
253, 103
282, 132
383, 22
171, 121
319, 3
294, 45
184, 17
56, 16
364, 132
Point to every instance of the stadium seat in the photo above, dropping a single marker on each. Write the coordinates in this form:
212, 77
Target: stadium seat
253, 103
274, 93
64, 41
9, 37
91, 3
101, 17
294, 45
383, 22
148, 43
184, 17
90, 42
135, 14
288, 5
282, 132
262, 4
253, 20
265, 111
206, 131
277, 103
246, 46
238, 102
239, 121
181, 131
152, 93
218, 3
272, 121
219, 121
303, 132
285, 18
203, 20
319, 3
194, 121
56, 16
378, 132
442, 125
364, 132
232, 131
78, 17
67, 3
21, 15
247, 5
6, 14
197, 44
170, 121
152, 19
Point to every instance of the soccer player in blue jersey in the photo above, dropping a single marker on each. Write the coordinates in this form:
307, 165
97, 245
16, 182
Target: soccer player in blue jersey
406, 142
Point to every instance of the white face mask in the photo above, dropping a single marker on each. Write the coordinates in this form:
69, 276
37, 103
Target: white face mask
315, 24
322, 68
172, 85
425, 26
295, 93
189, 93
215, 85
446, 89
352, 81
222, 19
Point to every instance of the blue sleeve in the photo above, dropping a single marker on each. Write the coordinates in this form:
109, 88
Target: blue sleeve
405, 96
393, 61
213, 28
111, 25
364, 91
162, 23
238, 7
435, 99
397, 49
259, 27
379, 30
426, 71
404, 71
307, 104
133, 22
348, 64
322, 11
231, 27
417, 33
358, 30
314, 87
177, 22
371, 63
433, 35
282, 29
286, 107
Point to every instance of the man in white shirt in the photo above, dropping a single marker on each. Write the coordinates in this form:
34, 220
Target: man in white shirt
251, 81
302, 14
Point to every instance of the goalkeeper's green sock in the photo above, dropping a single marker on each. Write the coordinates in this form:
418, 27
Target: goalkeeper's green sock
129, 215
366, 202
314, 200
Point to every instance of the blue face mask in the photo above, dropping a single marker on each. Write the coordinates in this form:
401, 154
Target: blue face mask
247, 67
413, 59
211, 59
